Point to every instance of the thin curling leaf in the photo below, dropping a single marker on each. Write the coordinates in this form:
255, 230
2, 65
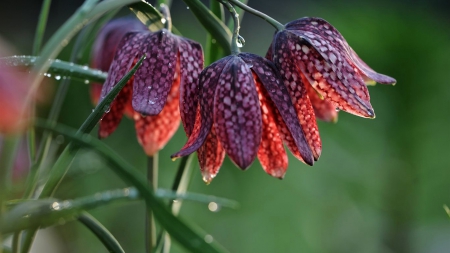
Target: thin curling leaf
58, 69
212, 24
101, 232
47, 212
187, 236
148, 15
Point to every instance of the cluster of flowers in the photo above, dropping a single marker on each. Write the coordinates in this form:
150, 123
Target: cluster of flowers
243, 105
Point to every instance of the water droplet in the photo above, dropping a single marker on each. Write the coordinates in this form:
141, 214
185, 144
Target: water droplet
149, 87
58, 77
187, 7
107, 109
213, 41
151, 102
86, 81
85, 67
56, 206
209, 238
213, 207
163, 20
249, 66
59, 139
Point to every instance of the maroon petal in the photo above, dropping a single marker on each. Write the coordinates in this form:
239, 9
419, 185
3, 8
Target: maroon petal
122, 62
237, 113
154, 78
153, 132
346, 90
112, 118
318, 30
278, 93
208, 81
323, 109
191, 59
284, 59
210, 156
271, 153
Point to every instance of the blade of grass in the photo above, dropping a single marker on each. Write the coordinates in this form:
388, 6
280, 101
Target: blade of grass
40, 28
179, 230
57, 68
48, 212
213, 51
100, 232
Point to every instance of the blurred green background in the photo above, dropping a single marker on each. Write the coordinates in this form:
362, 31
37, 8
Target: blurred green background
380, 185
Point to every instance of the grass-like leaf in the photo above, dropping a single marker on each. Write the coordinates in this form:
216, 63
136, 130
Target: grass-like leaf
57, 68
212, 24
178, 229
148, 15
47, 212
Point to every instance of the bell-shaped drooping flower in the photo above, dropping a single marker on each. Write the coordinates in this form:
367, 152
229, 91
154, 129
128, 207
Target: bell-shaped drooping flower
246, 112
105, 47
310, 53
162, 88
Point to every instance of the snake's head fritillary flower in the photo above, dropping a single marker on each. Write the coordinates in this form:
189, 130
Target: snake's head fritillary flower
322, 73
162, 89
246, 112
105, 46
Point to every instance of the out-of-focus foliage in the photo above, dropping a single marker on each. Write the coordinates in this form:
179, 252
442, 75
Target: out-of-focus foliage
379, 185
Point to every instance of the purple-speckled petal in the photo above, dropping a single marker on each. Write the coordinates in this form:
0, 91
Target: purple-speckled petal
191, 60
273, 84
285, 61
208, 80
122, 62
318, 30
237, 113
210, 157
155, 76
337, 82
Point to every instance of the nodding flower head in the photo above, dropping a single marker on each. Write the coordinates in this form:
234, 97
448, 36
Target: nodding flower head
162, 88
322, 73
105, 46
246, 112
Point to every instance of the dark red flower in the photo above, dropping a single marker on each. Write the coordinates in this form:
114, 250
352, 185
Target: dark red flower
244, 111
322, 73
163, 86
105, 47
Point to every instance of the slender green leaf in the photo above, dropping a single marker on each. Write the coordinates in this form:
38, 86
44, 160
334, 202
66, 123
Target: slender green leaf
212, 24
197, 197
178, 229
47, 212
213, 51
57, 68
148, 15
101, 232
40, 29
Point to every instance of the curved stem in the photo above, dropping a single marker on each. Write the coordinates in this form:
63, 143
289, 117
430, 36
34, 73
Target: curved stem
234, 40
152, 177
257, 13
167, 21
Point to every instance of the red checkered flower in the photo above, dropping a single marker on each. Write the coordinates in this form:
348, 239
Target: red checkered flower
161, 89
322, 73
105, 47
244, 111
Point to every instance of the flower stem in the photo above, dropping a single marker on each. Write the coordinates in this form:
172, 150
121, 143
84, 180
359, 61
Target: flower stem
165, 11
152, 177
234, 40
257, 13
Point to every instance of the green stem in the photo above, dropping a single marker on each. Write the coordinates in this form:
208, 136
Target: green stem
165, 11
152, 178
257, 13
234, 39
40, 29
